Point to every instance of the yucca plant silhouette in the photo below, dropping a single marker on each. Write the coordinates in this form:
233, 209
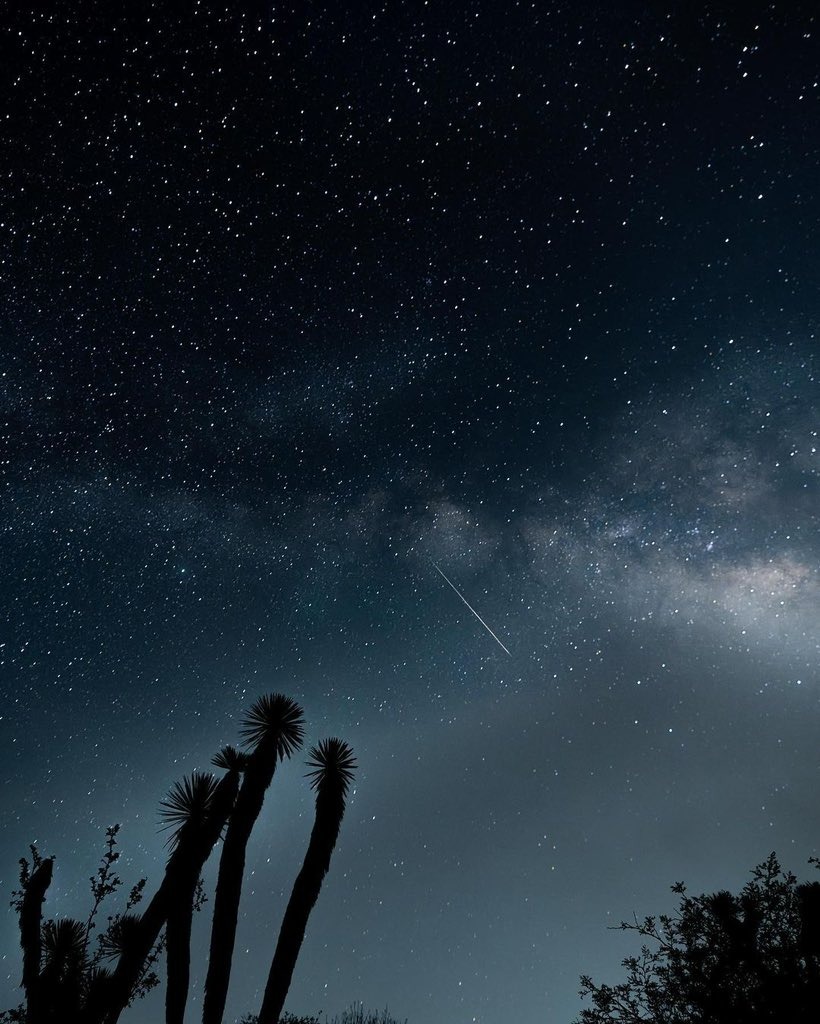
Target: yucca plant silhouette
31, 916
331, 766
176, 812
272, 730
196, 809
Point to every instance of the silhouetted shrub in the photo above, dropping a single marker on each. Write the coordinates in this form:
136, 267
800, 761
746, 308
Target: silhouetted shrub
753, 958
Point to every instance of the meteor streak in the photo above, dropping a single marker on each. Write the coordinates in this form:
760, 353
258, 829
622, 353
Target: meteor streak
464, 599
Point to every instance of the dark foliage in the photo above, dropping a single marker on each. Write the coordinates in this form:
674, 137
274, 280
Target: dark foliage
355, 1014
62, 963
286, 1018
753, 958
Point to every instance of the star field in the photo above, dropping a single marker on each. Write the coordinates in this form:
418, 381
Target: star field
301, 301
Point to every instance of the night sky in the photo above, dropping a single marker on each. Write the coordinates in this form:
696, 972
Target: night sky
306, 304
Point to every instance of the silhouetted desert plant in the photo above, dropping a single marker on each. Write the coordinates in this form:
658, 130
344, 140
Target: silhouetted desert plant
62, 965
208, 813
28, 900
331, 766
66, 976
273, 729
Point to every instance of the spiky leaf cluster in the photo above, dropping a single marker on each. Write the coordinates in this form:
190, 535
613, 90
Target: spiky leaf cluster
64, 943
118, 936
187, 804
331, 763
274, 718
230, 759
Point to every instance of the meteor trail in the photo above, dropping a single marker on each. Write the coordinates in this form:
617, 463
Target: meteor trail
464, 599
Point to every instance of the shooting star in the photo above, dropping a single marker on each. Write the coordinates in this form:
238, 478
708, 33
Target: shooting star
464, 599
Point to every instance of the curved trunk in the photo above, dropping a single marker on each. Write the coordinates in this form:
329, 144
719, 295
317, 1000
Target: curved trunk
330, 809
258, 776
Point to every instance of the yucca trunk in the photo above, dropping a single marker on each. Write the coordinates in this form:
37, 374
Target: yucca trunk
258, 776
31, 917
302, 900
273, 729
332, 767
178, 958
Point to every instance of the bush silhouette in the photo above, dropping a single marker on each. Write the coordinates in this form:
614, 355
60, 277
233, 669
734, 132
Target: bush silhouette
753, 958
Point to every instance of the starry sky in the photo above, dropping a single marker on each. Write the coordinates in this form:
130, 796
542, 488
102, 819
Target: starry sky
304, 304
